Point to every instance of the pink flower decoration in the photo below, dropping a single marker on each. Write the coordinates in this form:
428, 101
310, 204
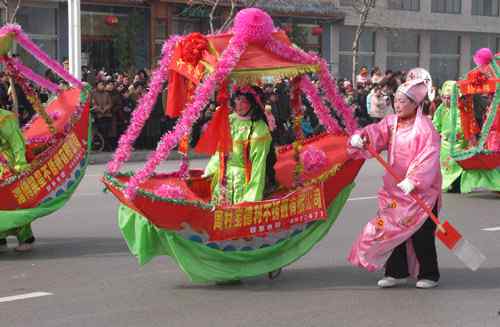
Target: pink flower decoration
313, 159
55, 115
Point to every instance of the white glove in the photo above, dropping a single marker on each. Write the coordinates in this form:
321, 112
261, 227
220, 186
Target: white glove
406, 186
357, 141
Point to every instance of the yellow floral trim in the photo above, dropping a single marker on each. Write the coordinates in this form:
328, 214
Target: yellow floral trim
247, 76
253, 75
379, 223
326, 175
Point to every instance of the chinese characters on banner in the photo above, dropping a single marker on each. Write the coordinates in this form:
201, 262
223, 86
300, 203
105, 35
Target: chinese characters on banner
52, 173
250, 220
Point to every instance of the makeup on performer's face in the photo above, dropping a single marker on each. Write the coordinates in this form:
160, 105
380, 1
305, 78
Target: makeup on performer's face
242, 106
404, 106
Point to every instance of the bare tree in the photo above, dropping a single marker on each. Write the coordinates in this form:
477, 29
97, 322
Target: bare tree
362, 8
9, 18
222, 5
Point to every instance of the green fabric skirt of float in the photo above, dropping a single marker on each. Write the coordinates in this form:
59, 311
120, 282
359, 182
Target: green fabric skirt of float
480, 179
205, 264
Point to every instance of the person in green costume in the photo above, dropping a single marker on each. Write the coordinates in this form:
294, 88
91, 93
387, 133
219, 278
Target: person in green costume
247, 165
13, 152
456, 179
450, 169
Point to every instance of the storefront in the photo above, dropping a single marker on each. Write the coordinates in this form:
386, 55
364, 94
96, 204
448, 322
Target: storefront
115, 37
307, 25
115, 34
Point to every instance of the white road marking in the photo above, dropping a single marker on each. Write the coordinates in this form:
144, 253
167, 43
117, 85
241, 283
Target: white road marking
492, 229
23, 296
362, 198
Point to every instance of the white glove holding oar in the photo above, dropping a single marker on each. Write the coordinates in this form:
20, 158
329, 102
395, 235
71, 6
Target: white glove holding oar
357, 141
406, 186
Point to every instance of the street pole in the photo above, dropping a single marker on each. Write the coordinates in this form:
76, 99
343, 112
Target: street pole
74, 35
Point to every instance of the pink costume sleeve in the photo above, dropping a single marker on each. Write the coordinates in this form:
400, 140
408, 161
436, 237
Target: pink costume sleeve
378, 134
425, 166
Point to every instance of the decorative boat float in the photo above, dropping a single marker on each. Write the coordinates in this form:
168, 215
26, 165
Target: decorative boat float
172, 213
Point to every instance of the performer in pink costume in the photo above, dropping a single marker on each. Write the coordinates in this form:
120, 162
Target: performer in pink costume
401, 235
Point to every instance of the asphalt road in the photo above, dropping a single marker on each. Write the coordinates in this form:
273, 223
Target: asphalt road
90, 279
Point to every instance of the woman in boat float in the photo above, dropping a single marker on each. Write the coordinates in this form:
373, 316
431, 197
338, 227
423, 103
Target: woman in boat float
13, 155
249, 167
401, 236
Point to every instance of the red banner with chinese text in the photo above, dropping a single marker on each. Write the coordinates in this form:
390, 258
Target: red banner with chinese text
51, 171
250, 219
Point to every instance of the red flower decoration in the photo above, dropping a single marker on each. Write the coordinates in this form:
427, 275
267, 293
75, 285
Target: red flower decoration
192, 48
477, 78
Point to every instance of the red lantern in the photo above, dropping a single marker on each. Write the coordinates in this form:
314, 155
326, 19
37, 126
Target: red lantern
317, 30
111, 20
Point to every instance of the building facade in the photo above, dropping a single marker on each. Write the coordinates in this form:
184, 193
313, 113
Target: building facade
439, 35
115, 32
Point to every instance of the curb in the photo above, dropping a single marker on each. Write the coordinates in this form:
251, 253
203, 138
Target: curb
97, 158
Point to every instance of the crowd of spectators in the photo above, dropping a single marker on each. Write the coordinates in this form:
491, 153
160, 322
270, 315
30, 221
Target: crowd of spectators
115, 96
373, 96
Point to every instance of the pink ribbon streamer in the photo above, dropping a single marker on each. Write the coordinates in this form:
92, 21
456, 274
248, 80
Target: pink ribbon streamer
34, 77
143, 109
36, 52
323, 113
226, 64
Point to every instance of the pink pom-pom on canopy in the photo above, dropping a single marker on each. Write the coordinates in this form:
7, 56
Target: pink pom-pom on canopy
483, 56
253, 24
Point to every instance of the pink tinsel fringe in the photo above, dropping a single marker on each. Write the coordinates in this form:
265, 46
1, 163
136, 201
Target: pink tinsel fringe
320, 109
336, 99
226, 64
36, 52
184, 167
300, 56
34, 77
170, 192
144, 108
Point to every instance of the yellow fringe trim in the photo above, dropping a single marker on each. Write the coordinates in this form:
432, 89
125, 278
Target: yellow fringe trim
252, 76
